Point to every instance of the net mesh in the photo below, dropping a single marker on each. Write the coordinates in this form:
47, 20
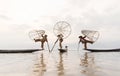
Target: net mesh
36, 34
91, 35
62, 27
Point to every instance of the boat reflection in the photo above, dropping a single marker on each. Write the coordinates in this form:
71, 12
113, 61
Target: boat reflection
40, 66
87, 64
60, 65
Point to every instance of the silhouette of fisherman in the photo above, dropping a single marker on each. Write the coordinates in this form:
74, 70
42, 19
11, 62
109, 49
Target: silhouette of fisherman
60, 39
84, 41
42, 40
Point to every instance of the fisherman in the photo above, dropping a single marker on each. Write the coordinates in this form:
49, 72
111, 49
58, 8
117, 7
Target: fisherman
60, 39
42, 40
84, 41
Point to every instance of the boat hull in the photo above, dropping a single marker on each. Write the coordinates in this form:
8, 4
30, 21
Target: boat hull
62, 50
19, 50
103, 50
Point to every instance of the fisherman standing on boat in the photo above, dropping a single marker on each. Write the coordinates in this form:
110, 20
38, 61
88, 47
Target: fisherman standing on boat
42, 40
60, 39
84, 41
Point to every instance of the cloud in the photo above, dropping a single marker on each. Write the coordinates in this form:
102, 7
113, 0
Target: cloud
22, 16
4, 17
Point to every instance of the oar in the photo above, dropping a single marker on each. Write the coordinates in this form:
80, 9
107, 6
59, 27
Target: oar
78, 47
54, 45
48, 46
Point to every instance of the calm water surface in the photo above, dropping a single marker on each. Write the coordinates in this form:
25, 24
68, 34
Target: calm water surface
71, 63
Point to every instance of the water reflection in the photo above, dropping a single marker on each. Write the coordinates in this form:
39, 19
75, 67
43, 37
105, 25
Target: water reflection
40, 66
66, 64
87, 64
84, 60
60, 65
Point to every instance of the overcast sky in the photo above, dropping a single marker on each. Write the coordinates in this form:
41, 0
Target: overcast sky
18, 17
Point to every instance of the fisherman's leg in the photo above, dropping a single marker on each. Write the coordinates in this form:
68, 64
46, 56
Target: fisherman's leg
60, 44
36, 40
42, 44
89, 41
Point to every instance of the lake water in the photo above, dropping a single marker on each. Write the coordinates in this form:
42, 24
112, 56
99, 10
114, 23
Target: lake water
71, 63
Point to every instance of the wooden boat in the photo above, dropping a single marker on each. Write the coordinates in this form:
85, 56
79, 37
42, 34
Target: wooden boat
104, 50
62, 50
19, 50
